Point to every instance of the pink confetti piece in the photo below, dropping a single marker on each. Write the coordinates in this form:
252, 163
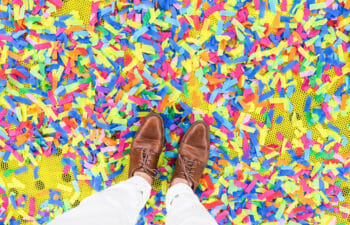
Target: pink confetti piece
6, 38
31, 206
250, 186
326, 112
43, 45
108, 149
57, 3
213, 9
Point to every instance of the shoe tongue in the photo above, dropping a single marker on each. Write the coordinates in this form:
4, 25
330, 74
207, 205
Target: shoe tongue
192, 152
149, 144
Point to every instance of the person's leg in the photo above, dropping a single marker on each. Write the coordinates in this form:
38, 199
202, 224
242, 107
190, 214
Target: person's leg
184, 208
119, 205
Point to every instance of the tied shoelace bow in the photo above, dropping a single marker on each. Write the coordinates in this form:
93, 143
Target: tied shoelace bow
145, 161
187, 168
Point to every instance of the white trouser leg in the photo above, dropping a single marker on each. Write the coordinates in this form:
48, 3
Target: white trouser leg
117, 205
184, 208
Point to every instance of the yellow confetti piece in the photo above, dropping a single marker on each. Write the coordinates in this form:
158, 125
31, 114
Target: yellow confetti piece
163, 24
263, 134
2, 144
74, 197
64, 188
344, 22
247, 128
24, 214
344, 209
316, 6
84, 177
342, 36
15, 184
292, 206
271, 155
237, 52
4, 53
9, 216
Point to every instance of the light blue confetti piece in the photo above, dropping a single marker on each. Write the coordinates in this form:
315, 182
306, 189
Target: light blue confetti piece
213, 96
309, 134
272, 5
3, 134
204, 89
227, 13
219, 27
81, 33
18, 34
149, 77
347, 27
290, 91
341, 197
307, 154
172, 21
344, 140
133, 90
59, 90
228, 83
290, 107
139, 33
327, 97
75, 186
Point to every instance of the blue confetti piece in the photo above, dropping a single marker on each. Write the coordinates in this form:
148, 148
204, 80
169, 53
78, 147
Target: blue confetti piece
289, 66
334, 128
266, 95
22, 100
262, 9
36, 170
9, 100
21, 170
279, 120
170, 154
187, 109
226, 59
286, 173
308, 104
223, 120
13, 201
182, 30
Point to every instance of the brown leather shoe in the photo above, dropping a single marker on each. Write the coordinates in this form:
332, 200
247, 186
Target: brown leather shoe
147, 146
193, 154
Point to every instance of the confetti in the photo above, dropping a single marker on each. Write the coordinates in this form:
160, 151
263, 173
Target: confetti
269, 77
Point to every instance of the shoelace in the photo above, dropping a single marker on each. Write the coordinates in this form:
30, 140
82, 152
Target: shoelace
145, 160
187, 166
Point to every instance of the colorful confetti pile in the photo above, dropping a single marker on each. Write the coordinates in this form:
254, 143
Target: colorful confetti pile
271, 77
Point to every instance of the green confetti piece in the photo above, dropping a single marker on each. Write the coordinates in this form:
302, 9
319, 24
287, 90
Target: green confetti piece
8, 172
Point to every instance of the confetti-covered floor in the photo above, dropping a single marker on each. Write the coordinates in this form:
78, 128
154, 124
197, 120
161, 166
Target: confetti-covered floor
270, 77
